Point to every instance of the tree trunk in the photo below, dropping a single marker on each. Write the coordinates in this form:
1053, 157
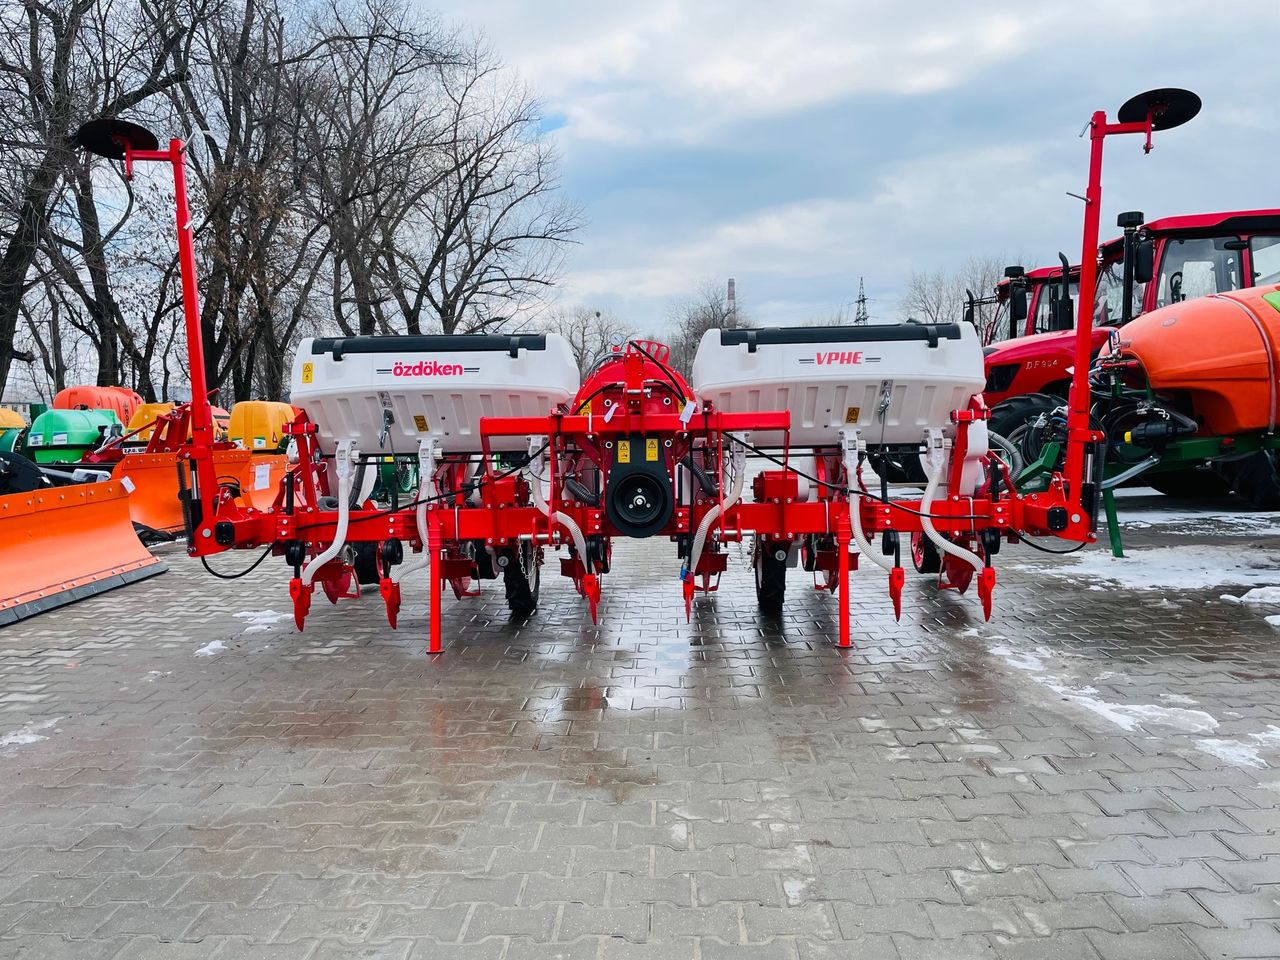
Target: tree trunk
20, 254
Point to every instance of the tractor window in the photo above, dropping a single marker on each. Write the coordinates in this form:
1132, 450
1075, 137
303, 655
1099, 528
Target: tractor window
997, 330
1048, 293
1109, 297
1197, 268
1265, 252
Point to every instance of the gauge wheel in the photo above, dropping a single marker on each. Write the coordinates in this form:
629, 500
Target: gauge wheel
365, 562
924, 555
521, 578
771, 578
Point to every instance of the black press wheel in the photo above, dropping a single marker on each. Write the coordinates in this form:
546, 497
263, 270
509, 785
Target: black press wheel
771, 577
924, 555
365, 561
521, 577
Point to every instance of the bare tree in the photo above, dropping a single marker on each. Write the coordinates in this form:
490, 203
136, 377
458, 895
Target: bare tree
705, 310
487, 235
376, 141
591, 333
939, 296
354, 167
63, 62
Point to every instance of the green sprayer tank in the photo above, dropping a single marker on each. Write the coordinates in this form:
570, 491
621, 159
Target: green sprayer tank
11, 426
64, 436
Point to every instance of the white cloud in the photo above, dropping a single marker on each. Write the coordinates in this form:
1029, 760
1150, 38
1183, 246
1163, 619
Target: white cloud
959, 121
683, 71
909, 216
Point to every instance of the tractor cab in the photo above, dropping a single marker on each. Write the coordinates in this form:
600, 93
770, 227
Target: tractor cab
1171, 259
1194, 256
1042, 289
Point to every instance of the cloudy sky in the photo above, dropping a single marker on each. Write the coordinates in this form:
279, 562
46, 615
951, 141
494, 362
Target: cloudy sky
798, 146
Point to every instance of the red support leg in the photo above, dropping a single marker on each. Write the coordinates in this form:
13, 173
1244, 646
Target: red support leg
844, 533
433, 568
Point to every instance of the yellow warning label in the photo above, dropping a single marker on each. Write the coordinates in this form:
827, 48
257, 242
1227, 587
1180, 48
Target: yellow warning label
420, 422
624, 451
852, 414
651, 449
308, 372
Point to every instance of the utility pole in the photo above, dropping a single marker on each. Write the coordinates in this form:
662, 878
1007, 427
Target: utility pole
732, 303
861, 318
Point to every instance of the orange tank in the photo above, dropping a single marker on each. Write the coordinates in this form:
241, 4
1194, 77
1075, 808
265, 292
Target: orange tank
120, 399
1221, 351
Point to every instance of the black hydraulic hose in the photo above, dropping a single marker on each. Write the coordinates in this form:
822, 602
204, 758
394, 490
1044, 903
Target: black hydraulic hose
236, 576
582, 493
704, 481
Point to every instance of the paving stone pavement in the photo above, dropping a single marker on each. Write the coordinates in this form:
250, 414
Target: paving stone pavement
1092, 774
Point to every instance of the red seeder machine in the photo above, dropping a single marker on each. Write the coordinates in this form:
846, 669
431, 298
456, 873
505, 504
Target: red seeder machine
863, 441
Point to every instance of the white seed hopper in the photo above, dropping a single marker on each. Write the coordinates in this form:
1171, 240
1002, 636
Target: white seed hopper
890, 381
385, 394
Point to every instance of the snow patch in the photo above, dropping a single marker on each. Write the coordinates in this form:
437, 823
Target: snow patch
1179, 699
796, 890
1165, 568
213, 648
28, 733
1127, 716
1241, 753
1269, 736
1269, 596
258, 621
1274, 620
1232, 751
1227, 523
1023, 661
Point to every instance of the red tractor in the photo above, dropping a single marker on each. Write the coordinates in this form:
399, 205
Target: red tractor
1031, 341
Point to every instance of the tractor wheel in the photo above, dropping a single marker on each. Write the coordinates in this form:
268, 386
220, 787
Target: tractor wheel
365, 561
1198, 483
924, 555
1255, 480
771, 578
522, 577
906, 469
1016, 412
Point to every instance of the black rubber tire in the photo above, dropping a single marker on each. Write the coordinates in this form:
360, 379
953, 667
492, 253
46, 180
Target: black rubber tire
771, 579
904, 470
522, 587
1018, 411
1198, 483
365, 561
485, 569
19, 475
1255, 480
924, 555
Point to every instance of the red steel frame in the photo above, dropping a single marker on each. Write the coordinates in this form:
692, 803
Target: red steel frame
200, 451
452, 521
1079, 435
962, 517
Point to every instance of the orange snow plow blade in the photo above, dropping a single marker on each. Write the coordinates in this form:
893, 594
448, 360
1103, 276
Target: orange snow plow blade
62, 544
154, 502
